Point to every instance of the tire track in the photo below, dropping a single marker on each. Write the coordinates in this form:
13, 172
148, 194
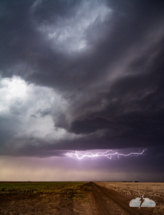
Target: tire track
101, 207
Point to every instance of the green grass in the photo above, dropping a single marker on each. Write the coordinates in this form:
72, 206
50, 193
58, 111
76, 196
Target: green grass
36, 187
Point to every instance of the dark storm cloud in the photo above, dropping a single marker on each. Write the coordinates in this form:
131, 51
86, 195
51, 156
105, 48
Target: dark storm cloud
105, 58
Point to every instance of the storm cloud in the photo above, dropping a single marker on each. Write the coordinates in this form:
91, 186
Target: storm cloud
78, 75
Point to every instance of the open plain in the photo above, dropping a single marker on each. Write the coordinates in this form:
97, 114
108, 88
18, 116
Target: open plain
73, 198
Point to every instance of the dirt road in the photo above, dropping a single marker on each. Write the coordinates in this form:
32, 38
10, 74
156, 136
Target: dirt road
111, 202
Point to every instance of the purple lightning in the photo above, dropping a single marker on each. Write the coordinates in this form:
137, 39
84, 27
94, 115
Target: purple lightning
108, 154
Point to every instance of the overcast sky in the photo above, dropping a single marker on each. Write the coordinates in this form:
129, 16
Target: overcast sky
81, 75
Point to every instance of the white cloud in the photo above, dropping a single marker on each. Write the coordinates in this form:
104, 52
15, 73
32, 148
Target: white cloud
11, 90
36, 109
147, 202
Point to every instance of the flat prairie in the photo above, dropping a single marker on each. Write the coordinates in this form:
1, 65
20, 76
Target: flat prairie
73, 198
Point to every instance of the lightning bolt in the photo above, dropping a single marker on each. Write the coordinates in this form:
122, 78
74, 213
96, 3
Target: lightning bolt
108, 154
142, 201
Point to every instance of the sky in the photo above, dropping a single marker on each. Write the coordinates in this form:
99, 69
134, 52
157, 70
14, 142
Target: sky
81, 77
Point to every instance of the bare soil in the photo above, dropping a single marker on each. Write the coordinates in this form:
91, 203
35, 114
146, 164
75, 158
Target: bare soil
87, 199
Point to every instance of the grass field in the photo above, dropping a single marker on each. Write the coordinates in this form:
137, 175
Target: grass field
137, 189
36, 187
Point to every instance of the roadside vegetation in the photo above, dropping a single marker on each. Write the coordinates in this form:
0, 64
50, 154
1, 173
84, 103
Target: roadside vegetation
37, 187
